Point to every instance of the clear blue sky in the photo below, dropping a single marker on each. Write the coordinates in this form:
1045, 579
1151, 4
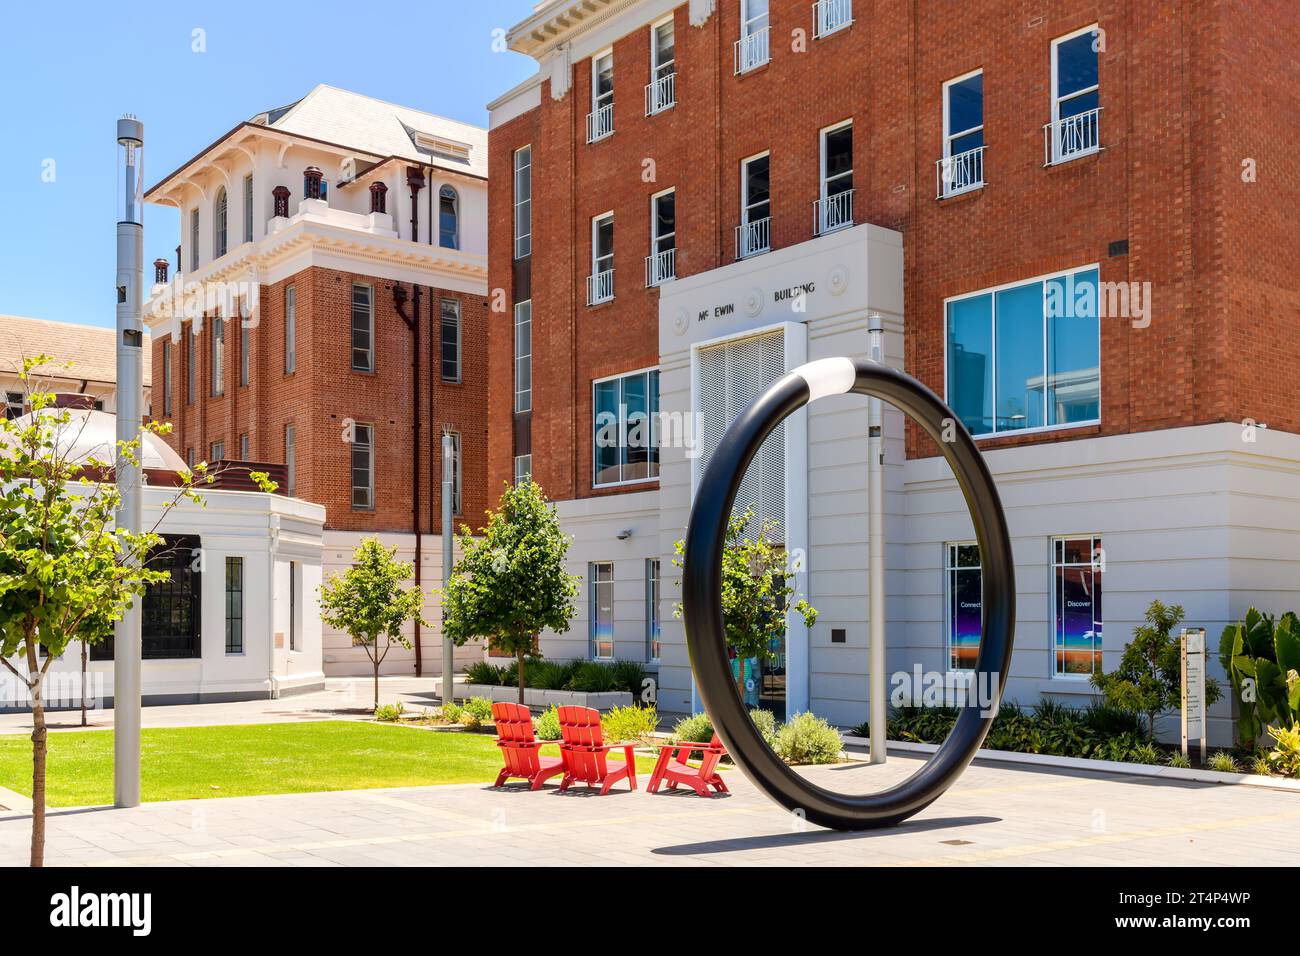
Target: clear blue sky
70, 70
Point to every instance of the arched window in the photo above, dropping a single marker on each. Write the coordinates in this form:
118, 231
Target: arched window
219, 224
448, 218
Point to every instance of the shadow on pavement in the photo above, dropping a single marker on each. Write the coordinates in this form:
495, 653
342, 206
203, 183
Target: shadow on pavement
781, 840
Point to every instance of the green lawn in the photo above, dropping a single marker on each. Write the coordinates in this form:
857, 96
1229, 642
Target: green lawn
184, 763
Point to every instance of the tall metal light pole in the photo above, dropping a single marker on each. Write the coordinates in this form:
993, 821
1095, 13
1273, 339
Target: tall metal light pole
876, 567
130, 364
448, 473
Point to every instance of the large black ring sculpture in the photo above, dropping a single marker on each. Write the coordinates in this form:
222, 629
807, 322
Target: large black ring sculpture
702, 587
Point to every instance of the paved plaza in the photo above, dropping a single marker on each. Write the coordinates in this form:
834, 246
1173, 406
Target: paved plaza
993, 815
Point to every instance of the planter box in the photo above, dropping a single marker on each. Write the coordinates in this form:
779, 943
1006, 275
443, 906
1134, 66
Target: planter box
543, 699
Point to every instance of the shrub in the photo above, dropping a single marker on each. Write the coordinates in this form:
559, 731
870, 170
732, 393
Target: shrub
1180, 760
450, 712
592, 677
697, 728
390, 711
1145, 752
1225, 762
1261, 765
549, 675
807, 738
481, 672
546, 726
1109, 721
628, 676
629, 724
1284, 758
765, 721
479, 708
470, 721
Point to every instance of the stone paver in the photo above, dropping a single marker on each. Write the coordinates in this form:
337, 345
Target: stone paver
995, 815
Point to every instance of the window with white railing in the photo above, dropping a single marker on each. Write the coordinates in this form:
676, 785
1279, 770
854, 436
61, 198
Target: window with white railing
834, 210
962, 166
661, 264
1076, 109
600, 284
830, 16
600, 121
754, 234
753, 48
523, 202
661, 92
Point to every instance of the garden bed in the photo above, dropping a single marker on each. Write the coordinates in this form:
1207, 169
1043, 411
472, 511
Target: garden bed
533, 697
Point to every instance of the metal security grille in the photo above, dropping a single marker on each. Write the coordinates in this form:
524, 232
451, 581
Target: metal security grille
730, 376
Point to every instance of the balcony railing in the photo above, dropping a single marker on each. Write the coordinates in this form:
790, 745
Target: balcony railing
961, 173
753, 238
833, 212
600, 123
752, 51
660, 94
831, 15
660, 267
1072, 137
600, 287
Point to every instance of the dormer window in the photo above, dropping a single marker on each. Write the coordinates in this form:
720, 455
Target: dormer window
443, 147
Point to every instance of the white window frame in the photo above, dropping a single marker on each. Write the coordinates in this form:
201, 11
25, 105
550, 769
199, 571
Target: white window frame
993, 290
455, 212
217, 344
824, 180
593, 645
194, 239
523, 468
654, 267
651, 418
191, 356
248, 207
523, 241
661, 91
746, 205
442, 325
596, 259
243, 446
290, 459
821, 16
218, 450
1054, 155
220, 223
291, 329
1052, 566
949, 135
601, 101
654, 594
523, 396
369, 446
747, 56
949, 553
370, 327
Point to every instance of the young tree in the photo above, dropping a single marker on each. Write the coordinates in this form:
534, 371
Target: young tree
368, 602
65, 569
1149, 678
757, 587
510, 583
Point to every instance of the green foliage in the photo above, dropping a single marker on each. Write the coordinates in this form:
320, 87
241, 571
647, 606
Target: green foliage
1148, 680
629, 724
584, 676
807, 738
1098, 731
1224, 762
478, 707
757, 587
697, 728
450, 712
546, 726
1180, 760
1262, 660
765, 722
370, 603
1261, 765
510, 583
1284, 758
390, 711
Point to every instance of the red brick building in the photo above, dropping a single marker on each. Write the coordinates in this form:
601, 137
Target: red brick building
329, 315
960, 174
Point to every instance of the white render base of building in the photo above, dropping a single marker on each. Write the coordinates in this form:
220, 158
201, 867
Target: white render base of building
276, 649
342, 659
1195, 516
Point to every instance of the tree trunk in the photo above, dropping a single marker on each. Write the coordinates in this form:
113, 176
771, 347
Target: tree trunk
39, 740
519, 657
376, 662
83, 683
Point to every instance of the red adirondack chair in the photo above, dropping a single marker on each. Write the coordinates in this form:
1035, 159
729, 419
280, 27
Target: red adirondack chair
585, 752
672, 766
520, 749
